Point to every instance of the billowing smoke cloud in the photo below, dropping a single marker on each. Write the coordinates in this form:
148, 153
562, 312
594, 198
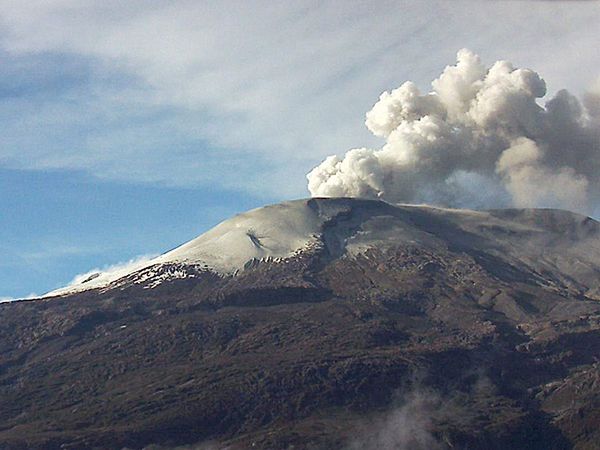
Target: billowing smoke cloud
478, 139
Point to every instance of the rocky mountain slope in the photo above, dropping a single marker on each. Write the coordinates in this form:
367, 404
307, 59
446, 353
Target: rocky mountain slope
322, 323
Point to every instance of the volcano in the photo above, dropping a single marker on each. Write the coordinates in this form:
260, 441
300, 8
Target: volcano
322, 323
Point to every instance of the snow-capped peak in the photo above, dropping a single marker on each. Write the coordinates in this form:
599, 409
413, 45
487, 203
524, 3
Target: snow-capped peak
546, 241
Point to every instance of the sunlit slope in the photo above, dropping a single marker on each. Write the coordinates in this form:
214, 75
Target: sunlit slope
554, 246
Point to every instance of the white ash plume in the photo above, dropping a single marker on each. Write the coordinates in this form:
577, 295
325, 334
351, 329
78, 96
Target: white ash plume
478, 139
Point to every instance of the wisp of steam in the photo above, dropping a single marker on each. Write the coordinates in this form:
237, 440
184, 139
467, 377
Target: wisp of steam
478, 139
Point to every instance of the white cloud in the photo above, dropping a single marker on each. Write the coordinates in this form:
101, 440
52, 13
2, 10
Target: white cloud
273, 87
16, 299
100, 277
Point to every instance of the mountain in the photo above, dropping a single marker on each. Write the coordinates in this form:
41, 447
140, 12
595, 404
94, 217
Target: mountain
322, 323
555, 246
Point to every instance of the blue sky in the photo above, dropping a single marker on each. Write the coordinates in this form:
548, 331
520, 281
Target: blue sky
131, 127
69, 221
